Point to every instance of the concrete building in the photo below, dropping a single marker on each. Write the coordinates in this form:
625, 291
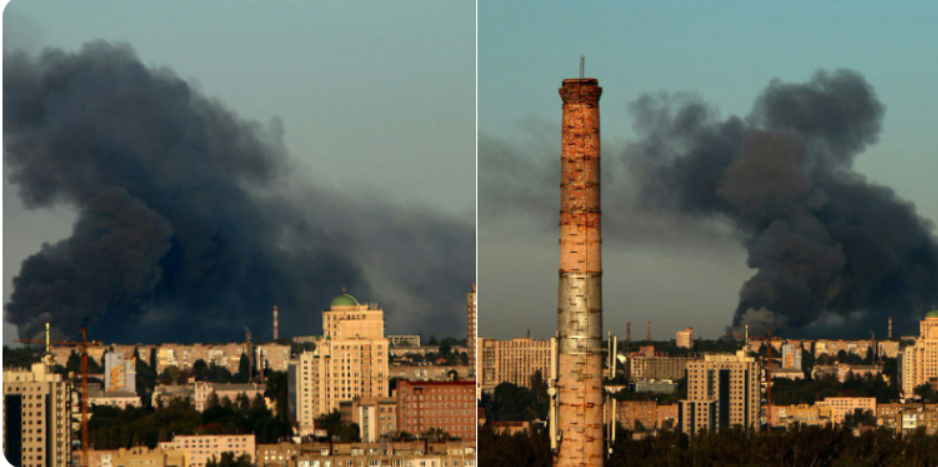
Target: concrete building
272, 357
375, 416
351, 360
802, 414
685, 338
430, 372
37, 417
428, 405
513, 361
471, 329
404, 341
415, 454
723, 390
791, 357
141, 456
121, 399
635, 415
645, 368
842, 371
120, 373
202, 392
843, 406
918, 363
202, 448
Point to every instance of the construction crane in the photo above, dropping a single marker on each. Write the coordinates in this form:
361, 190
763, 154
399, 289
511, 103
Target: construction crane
767, 364
83, 345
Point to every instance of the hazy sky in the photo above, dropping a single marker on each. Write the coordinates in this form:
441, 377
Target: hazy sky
375, 97
724, 51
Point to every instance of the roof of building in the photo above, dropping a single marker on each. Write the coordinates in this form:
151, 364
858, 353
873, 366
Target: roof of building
932, 314
344, 300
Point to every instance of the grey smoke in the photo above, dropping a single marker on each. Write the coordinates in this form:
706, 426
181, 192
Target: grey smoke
192, 221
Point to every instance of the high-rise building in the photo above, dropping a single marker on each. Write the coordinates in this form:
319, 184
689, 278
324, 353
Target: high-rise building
685, 338
37, 416
449, 406
471, 329
350, 360
578, 424
918, 363
120, 374
513, 361
791, 356
723, 390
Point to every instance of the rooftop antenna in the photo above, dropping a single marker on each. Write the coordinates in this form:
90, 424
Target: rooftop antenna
582, 66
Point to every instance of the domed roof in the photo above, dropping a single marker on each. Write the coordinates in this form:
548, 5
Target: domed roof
344, 300
932, 314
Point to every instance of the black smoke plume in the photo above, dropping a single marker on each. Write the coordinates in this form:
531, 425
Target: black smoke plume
192, 222
830, 248
828, 245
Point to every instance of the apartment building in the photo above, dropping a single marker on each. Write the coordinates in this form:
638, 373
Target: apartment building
351, 360
723, 390
431, 405
513, 361
37, 413
202, 448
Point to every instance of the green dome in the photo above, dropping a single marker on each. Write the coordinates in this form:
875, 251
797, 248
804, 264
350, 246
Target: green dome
932, 314
344, 300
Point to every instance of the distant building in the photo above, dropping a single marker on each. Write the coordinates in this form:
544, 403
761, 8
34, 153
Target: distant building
405, 454
351, 360
645, 368
791, 357
273, 357
202, 392
375, 416
918, 363
405, 341
659, 387
141, 456
430, 372
723, 390
513, 361
685, 338
843, 406
120, 399
37, 411
120, 374
202, 448
842, 371
471, 329
633, 415
802, 414
449, 406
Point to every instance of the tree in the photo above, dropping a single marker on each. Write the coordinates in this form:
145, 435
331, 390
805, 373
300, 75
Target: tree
244, 370
336, 429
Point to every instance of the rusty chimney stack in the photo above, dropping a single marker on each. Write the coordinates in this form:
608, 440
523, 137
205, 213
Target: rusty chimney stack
579, 324
649, 332
890, 328
276, 324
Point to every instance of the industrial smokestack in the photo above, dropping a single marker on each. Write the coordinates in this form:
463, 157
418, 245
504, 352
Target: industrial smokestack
580, 412
276, 324
890, 327
649, 332
628, 334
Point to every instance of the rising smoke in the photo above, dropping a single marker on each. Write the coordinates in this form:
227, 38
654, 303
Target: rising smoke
828, 245
192, 222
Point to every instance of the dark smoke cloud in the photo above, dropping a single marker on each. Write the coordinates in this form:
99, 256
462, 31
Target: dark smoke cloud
826, 242
192, 221
832, 250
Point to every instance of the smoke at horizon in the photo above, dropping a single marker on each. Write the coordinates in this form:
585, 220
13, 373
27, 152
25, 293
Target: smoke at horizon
829, 247
192, 221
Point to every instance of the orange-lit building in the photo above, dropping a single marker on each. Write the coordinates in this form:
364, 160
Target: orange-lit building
427, 405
